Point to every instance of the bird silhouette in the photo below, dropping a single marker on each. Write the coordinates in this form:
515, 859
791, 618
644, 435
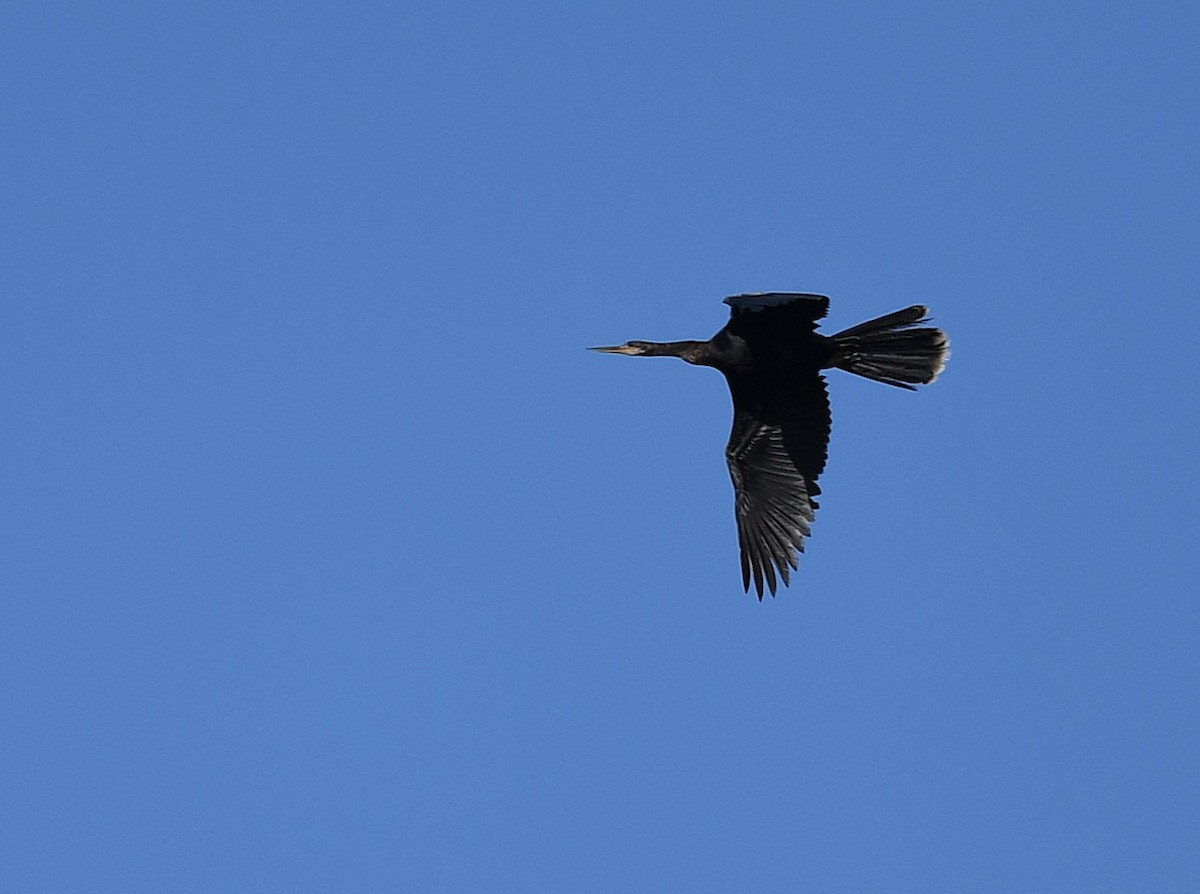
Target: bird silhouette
772, 357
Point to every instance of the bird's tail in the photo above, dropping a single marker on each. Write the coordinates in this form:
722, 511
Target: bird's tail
893, 349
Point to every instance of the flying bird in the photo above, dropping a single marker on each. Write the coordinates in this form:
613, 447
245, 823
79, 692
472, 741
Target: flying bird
772, 357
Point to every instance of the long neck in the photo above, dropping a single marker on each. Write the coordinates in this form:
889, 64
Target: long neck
691, 351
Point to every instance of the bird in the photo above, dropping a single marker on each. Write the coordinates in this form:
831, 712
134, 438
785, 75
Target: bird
772, 358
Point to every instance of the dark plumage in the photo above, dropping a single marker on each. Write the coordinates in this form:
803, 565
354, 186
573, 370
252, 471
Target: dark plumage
772, 357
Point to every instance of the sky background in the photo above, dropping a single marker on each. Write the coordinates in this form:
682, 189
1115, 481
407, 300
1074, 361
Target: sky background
330, 559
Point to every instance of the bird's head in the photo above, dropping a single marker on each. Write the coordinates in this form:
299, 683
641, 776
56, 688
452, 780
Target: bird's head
691, 351
630, 349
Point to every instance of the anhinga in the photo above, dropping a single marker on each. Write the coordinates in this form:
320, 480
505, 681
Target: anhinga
772, 357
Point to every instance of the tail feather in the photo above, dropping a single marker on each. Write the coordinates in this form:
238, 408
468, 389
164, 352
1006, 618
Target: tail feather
889, 349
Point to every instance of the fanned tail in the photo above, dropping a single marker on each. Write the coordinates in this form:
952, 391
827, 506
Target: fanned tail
890, 349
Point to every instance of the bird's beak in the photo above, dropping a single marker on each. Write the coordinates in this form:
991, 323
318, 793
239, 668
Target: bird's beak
630, 350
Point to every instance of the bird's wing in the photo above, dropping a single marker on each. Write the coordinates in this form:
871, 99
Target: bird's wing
776, 451
776, 323
802, 306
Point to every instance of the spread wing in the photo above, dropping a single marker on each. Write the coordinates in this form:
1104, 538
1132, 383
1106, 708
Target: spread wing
776, 452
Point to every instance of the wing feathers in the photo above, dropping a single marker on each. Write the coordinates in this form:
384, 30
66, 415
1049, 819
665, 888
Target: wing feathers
813, 306
776, 450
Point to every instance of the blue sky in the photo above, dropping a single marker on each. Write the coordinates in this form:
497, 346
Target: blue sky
332, 561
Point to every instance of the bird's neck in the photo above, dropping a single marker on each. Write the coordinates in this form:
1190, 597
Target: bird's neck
691, 351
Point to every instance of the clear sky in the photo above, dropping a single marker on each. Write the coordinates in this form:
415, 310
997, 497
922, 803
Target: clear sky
331, 560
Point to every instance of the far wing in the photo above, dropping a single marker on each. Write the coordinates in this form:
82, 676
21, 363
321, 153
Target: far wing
776, 451
802, 306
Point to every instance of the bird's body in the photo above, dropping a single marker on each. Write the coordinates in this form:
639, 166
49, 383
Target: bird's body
772, 357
